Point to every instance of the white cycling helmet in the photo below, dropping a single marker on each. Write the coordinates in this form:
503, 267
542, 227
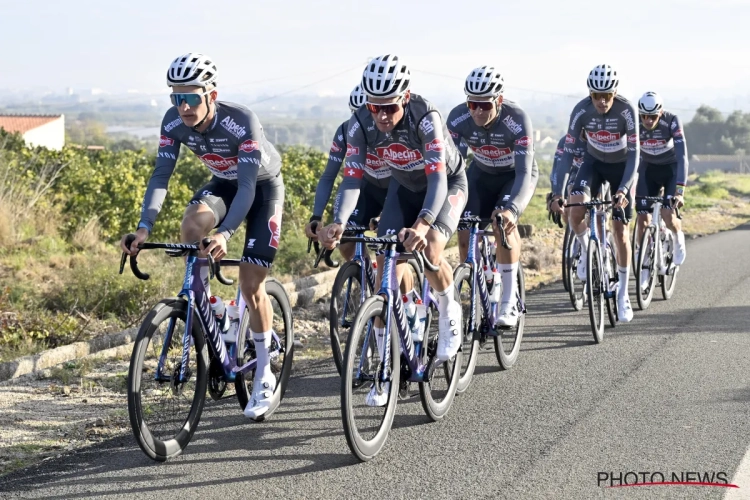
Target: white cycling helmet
650, 103
386, 76
603, 78
484, 82
192, 69
356, 98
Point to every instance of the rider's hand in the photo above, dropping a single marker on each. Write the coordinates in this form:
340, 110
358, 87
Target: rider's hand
374, 223
217, 248
140, 236
330, 235
678, 201
620, 199
509, 220
415, 237
311, 229
555, 206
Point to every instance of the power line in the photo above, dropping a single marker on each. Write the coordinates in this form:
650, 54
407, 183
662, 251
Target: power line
305, 86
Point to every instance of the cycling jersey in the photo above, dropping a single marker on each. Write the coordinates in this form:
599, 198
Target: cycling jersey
505, 145
610, 138
666, 145
578, 149
233, 147
419, 158
377, 171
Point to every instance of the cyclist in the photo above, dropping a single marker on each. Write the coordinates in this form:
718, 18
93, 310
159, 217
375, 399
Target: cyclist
427, 192
611, 130
503, 175
664, 164
246, 184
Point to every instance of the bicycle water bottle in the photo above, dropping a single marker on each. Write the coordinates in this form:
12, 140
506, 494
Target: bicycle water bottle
488, 276
418, 335
496, 288
233, 316
219, 309
410, 308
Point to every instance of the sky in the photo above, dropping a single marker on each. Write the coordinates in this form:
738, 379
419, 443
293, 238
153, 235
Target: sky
684, 49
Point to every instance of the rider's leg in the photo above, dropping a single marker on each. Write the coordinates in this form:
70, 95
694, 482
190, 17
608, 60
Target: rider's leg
347, 250
206, 209
262, 238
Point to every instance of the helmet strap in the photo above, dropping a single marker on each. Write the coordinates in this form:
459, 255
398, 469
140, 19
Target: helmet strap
208, 112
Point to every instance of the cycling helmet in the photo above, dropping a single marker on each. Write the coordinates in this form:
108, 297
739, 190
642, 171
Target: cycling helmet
603, 78
356, 98
192, 69
386, 76
484, 82
650, 103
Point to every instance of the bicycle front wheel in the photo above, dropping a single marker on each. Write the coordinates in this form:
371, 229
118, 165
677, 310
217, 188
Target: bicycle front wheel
438, 392
595, 290
645, 277
366, 425
669, 280
165, 408
508, 341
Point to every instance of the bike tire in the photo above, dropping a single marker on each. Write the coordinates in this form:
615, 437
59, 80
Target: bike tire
594, 291
508, 357
462, 277
155, 447
646, 260
348, 275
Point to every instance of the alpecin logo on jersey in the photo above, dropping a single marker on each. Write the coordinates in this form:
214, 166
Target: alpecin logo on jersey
232, 127
523, 142
165, 141
351, 150
274, 225
218, 163
249, 146
457, 202
603, 136
492, 155
434, 145
400, 156
335, 148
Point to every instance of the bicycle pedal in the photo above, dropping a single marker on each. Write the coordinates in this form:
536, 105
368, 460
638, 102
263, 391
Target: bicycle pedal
403, 390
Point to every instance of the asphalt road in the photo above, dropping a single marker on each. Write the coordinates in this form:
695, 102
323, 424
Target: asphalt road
669, 392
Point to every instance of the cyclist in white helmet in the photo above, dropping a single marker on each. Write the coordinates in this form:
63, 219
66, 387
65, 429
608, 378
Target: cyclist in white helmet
664, 164
427, 192
608, 123
246, 185
503, 175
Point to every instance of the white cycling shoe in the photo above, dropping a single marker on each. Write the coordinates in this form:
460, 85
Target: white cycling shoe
624, 310
449, 336
260, 403
508, 316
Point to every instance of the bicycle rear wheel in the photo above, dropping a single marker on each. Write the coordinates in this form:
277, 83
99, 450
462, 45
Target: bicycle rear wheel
576, 290
462, 277
565, 258
610, 279
366, 427
647, 263
165, 412
281, 350
438, 392
508, 341
669, 280
595, 291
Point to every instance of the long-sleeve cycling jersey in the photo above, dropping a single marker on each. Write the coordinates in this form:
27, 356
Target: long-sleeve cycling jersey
233, 147
610, 138
376, 171
665, 145
506, 144
579, 148
419, 157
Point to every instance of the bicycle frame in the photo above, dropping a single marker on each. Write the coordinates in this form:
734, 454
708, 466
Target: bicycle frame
599, 234
196, 293
479, 282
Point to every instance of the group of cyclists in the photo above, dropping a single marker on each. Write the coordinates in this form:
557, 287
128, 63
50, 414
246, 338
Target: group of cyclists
404, 169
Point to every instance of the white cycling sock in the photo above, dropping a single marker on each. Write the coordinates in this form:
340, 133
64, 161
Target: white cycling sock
510, 284
263, 367
624, 275
583, 239
444, 298
379, 338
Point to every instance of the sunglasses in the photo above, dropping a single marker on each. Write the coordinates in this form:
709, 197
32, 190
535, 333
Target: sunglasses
388, 109
483, 105
649, 117
191, 99
598, 96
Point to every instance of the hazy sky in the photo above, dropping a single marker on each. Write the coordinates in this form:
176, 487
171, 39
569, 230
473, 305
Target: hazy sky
678, 47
